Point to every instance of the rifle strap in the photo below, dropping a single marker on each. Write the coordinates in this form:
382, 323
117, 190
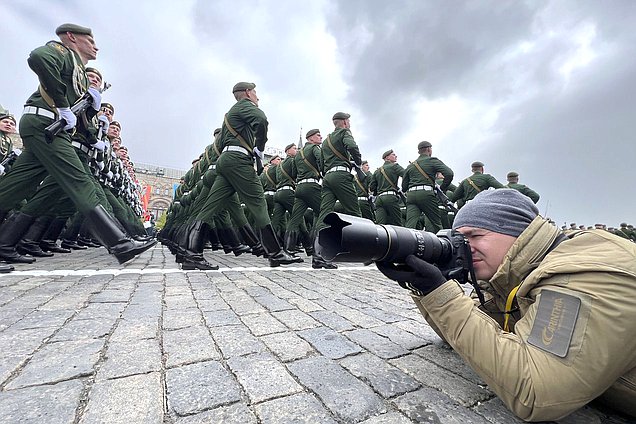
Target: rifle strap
419, 168
237, 135
383, 171
282, 169
216, 148
474, 185
335, 152
269, 178
313, 168
364, 190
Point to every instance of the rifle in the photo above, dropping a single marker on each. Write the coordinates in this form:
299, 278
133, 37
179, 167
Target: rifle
359, 172
11, 157
259, 164
80, 106
444, 200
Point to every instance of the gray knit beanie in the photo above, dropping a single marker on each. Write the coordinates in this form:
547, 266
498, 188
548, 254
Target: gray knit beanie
504, 211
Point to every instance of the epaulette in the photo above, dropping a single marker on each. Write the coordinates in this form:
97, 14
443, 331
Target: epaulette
61, 48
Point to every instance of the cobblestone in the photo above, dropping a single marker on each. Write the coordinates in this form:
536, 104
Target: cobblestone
85, 340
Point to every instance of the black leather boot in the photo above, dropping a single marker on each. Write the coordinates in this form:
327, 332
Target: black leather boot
291, 242
6, 268
213, 237
104, 227
249, 235
49, 240
228, 235
193, 257
277, 255
308, 243
30, 243
3, 215
318, 262
72, 244
11, 232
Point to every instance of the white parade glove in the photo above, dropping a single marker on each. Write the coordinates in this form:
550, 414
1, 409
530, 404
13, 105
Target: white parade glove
1, 170
68, 116
97, 98
109, 175
100, 145
17, 152
258, 152
104, 121
100, 165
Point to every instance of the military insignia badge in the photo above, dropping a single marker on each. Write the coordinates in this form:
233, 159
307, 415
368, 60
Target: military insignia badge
555, 321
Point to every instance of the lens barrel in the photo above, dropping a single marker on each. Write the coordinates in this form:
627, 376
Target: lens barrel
353, 239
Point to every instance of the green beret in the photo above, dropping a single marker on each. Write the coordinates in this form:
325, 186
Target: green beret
7, 115
274, 157
75, 29
364, 162
387, 153
477, 164
312, 132
423, 145
108, 106
242, 86
116, 123
216, 131
95, 71
623, 224
289, 146
512, 174
340, 115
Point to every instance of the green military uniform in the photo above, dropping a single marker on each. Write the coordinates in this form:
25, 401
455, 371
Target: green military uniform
337, 151
448, 216
418, 183
384, 185
284, 197
473, 185
308, 192
268, 181
513, 182
6, 145
362, 190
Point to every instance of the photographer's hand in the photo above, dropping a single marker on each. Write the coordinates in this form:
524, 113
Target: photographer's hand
416, 275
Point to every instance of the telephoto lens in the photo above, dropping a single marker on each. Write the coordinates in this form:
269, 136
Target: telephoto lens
353, 239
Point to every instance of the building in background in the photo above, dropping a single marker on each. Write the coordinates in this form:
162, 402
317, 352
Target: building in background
158, 184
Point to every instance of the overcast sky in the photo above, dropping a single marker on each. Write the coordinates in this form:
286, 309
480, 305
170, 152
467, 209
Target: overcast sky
544, 88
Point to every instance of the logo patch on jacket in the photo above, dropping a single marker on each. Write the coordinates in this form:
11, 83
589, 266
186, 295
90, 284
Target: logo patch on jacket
555, 321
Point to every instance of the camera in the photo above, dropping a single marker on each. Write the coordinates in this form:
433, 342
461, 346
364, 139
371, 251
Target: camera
353, 239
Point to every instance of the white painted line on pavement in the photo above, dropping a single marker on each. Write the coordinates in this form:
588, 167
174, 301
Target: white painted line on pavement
89, 272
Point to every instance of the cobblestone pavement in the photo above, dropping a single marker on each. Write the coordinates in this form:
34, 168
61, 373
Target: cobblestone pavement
85, 340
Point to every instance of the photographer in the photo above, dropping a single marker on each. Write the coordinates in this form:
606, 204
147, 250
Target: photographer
558, 329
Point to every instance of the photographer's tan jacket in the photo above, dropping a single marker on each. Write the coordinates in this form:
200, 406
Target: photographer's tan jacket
586, 345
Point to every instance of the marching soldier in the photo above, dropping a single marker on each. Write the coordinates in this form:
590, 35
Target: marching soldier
475, 184
285, 188
513, 182
384, 185
419, 184
243, 136
60, 67
364, 195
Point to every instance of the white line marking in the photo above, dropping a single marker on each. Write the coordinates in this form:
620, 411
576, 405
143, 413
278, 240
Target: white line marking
89, 272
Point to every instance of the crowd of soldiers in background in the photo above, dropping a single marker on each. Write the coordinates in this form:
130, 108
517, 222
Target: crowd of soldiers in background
109, 164
420, 196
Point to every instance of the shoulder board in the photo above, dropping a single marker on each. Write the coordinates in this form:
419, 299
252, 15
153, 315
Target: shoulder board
61, 48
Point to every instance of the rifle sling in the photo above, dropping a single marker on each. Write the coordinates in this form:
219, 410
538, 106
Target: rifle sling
237, 135
313, 168
364, 190
383, 171
335, 152
419, 168
282, 169
474, 185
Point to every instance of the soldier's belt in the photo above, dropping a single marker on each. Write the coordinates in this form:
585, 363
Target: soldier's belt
285, 188
270, 192
237, 149
362, 198
421, 187
80, 146
387, 192
34, 110
309, 180
338, 168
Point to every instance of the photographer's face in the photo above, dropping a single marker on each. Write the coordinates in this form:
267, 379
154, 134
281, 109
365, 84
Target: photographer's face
488, 249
